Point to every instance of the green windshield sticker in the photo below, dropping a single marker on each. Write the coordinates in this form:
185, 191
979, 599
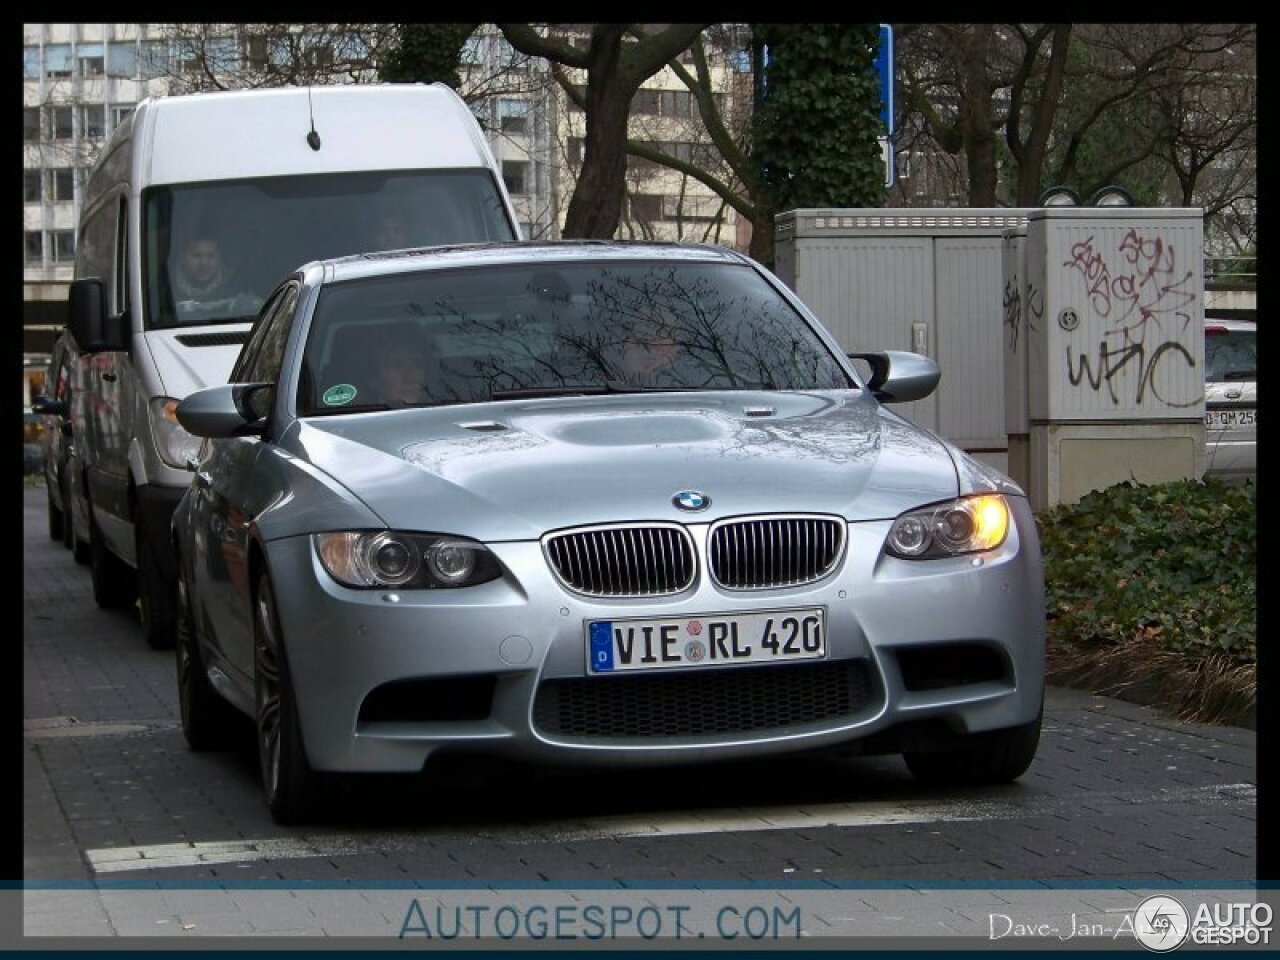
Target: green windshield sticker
339, 394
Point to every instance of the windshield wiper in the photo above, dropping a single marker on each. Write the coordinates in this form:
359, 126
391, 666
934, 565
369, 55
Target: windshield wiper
565, 390
349, 408
618, 386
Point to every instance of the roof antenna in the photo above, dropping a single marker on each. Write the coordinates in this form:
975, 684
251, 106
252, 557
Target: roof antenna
313, 138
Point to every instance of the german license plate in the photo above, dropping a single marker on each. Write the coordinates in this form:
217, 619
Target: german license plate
1230, 419
718, 639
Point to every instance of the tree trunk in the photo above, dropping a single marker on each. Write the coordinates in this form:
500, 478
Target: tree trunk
596, 205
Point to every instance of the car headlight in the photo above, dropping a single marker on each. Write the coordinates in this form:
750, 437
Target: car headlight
173, 443
966, 525
387, 558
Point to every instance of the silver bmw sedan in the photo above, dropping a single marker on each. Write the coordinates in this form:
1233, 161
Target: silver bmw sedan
590, 502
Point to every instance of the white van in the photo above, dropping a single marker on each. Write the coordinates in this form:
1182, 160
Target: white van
196, 209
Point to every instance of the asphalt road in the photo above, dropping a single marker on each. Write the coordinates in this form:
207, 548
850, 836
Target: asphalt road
128, 833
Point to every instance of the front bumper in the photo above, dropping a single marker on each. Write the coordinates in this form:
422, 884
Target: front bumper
384, 679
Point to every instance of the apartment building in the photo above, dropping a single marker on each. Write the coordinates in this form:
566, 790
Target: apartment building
81, 80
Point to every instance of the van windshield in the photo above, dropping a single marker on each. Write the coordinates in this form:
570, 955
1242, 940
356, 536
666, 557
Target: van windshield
212, 252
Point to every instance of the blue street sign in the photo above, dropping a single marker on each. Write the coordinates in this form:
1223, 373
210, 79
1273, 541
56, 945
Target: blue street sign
884, 67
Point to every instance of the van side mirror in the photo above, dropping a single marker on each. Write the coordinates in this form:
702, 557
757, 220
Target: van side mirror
93, 329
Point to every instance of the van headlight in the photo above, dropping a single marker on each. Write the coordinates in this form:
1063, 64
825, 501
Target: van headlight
964, 525
173, 443
387, 558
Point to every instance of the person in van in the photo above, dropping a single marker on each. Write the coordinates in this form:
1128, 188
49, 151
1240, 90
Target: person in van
201, 274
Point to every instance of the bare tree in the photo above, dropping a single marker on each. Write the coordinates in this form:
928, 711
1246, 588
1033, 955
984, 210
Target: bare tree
616, 64
1028, 105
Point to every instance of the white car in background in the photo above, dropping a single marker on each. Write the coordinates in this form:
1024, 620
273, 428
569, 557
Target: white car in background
1231, 398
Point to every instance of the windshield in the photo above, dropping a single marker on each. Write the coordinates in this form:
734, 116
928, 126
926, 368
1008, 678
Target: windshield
507, 332
214, 251
1230, 355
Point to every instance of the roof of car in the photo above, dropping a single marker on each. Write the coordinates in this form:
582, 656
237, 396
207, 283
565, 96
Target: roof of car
475, 254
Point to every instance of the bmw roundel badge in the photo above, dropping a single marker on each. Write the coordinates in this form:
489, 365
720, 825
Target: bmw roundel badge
691, 500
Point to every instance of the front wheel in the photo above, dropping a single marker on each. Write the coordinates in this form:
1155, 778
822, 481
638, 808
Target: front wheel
995, 756
292, 787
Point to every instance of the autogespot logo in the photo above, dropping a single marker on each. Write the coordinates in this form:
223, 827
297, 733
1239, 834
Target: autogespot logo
691, 500
1161, 923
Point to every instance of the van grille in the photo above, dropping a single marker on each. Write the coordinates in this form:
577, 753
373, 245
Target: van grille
213, 339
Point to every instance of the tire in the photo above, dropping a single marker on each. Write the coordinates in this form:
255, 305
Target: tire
80, 550
157, 608
292, 788
115, 585
208, 721
57, 519
996, 756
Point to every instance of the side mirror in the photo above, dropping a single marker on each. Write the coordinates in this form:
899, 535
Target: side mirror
898, 376
93, 329
227, 410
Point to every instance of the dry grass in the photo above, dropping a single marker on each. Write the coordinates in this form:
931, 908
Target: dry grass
1216, 689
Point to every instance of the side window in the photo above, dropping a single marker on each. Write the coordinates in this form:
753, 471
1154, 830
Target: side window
264, 354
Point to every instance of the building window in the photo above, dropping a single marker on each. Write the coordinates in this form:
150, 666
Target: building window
526, 230
93, 122
57, 60
575, 150
646, 207
64, 181
155, 58
319, 57
581, 90
676, 103
691, 208
513, 116
120, 112
34, 240
64, 246
90, 58
472, 51
515, 174
63, 124
30, 63
122, 60
31, 124
645, 103
31, 186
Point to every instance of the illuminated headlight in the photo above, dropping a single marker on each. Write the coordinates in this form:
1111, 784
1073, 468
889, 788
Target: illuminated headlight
387, 558
967, 525
173, 443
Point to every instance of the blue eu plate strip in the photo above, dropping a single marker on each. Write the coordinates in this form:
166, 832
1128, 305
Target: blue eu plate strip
602, 646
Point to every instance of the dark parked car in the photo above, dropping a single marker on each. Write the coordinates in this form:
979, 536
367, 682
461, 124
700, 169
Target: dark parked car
600, 503
1231, 398
57, 437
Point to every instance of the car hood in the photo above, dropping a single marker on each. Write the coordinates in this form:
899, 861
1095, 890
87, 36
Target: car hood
513, 471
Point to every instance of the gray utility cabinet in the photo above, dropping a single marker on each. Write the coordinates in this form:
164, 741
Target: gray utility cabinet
927, 280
